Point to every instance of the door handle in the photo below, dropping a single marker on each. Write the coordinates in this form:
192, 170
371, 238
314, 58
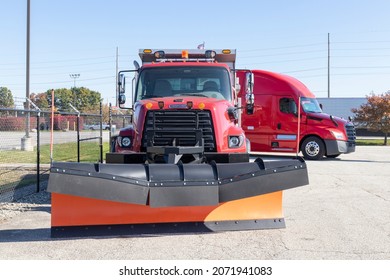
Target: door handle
279, 126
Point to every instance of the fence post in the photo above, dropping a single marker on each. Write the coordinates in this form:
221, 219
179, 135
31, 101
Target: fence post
38, 111
110, 124
38, 151
78, 131
101, 133
78, 136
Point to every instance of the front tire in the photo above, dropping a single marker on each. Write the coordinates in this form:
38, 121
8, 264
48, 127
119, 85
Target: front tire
313, 148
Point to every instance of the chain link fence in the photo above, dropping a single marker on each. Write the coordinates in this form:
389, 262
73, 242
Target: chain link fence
20, 170
28, 144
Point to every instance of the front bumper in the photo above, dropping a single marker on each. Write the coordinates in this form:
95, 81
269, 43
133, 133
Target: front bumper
334, 147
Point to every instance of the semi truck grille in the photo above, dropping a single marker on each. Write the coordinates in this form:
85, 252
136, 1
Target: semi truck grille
177, 127
351, 133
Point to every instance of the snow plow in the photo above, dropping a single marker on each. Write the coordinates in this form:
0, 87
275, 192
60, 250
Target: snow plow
184, 163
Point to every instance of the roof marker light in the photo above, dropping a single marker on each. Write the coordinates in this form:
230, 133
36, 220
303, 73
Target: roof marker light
210, 54
226, 51
184, 54
159, 54
147, 51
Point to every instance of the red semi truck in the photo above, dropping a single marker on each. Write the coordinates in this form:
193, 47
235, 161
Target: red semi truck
272, 125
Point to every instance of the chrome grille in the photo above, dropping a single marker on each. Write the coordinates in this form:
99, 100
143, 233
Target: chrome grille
351, 132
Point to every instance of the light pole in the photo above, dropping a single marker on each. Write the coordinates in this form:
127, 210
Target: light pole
26, 144
74, 77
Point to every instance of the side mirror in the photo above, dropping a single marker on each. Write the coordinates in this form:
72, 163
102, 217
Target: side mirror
249, 81
238, 86
122, 84
122, 89
249, 96
122, 99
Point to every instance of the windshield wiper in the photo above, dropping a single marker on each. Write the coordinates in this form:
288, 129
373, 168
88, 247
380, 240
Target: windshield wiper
194, 94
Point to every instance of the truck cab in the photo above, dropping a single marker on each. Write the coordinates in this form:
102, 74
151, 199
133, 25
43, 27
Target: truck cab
275, 122
183, 98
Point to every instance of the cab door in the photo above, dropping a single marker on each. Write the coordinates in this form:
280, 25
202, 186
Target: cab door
258, 126
285, 125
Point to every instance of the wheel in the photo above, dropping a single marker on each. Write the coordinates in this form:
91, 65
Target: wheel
313, 148
332, 156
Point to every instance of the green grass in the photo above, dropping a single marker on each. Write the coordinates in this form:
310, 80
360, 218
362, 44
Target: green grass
89, 152
371, 142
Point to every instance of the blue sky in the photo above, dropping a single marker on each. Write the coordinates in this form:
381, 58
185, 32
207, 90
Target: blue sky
81, 36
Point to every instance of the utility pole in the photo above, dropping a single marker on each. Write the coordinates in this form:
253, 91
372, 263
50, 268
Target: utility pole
116, 78
74, 77
26, 144
328, 65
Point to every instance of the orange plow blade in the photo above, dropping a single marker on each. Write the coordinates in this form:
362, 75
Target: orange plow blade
126, 199
78, 216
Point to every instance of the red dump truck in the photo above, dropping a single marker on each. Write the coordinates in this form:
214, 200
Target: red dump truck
183, 164
273, 125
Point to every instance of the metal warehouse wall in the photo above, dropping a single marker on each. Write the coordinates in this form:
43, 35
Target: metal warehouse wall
341, 107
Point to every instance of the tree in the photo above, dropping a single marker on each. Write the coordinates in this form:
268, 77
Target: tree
6, 98
86, 100
40, 100
62, 98
83, 99
375, 114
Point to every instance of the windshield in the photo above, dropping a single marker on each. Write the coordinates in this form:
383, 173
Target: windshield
310, 105
211, 82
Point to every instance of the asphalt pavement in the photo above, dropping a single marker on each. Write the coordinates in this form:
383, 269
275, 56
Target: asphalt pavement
344, 213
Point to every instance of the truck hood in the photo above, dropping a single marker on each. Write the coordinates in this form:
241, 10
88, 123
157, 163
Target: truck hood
323, 117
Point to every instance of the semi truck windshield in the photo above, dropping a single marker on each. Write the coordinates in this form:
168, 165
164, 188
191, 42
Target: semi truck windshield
211, 82
310, 105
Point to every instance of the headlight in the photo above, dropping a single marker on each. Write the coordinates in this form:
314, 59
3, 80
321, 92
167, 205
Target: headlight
235, 141
337, 135
126, 142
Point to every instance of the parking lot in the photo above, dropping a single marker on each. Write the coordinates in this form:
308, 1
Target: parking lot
344, 213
